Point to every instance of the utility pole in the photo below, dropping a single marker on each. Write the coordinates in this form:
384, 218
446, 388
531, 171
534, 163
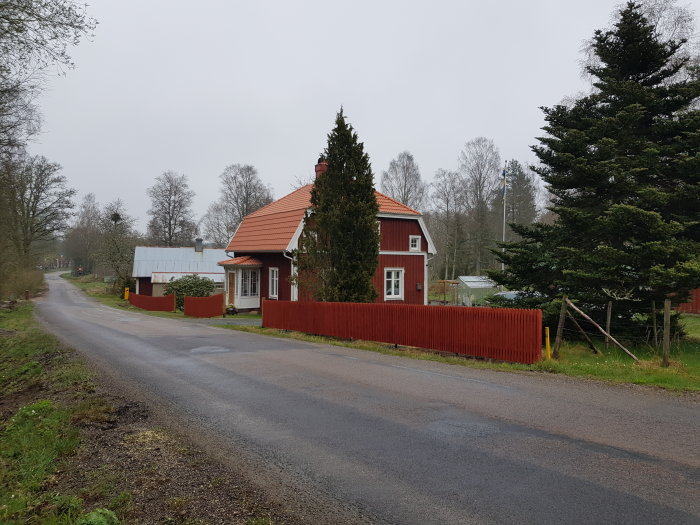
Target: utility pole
503, 239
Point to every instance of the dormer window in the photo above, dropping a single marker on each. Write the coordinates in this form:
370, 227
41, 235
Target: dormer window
414, 243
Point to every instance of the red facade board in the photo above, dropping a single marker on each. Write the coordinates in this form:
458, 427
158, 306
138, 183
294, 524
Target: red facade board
495, 333
145, 286
212, 306
692, 306
165, 303
395, 234
414, 277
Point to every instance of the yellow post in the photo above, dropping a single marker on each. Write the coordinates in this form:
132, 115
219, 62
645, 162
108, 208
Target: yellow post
126, 293
547, 348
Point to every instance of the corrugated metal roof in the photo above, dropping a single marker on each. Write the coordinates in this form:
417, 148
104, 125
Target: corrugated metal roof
476, 281
149, 259
165, 277
271, 228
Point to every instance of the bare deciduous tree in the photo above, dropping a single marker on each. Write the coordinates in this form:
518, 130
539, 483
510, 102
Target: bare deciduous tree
34, 34
171, 221
242, 193
83, 238
117, 242
446, 219
37, 203
480, 165
402, 181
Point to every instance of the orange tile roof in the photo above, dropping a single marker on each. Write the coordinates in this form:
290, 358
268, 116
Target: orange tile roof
271, 228
245, 260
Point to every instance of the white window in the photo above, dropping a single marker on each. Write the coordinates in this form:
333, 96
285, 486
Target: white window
274, 283
414, 243
393, 283
249, 283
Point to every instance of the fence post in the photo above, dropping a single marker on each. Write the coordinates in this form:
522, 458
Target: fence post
607, 324
560, 328
667, 332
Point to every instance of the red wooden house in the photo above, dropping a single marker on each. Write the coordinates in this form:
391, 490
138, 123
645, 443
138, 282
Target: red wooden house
261, 264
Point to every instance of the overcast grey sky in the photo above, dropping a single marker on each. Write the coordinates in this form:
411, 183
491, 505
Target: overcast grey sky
196, 86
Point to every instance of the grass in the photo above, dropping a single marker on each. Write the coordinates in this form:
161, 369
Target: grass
98, 290
575, 360
40, 433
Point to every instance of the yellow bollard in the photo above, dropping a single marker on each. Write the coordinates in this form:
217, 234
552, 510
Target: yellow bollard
126, 293
547, 349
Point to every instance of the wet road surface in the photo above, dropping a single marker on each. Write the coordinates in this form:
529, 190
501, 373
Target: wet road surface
344, 435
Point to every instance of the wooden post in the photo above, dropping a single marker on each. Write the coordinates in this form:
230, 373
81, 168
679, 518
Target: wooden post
560, 328
667, 332
583, 333
607, 323
653, 325
615, 341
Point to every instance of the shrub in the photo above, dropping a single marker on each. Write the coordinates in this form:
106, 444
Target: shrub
190, 285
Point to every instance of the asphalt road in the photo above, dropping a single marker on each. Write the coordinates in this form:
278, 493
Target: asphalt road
344, 435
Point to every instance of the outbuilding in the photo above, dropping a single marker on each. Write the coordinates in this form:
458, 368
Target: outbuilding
154, 267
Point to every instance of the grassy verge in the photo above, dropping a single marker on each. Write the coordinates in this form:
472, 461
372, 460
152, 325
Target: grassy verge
575, 360
44, 392
72, 453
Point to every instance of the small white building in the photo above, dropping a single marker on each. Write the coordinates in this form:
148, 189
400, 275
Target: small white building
471, 288
154, 267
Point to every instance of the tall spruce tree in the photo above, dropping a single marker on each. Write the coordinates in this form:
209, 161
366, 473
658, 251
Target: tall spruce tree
339, 247
623, 167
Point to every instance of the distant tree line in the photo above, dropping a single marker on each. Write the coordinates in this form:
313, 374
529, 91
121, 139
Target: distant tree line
35, 200
464, 207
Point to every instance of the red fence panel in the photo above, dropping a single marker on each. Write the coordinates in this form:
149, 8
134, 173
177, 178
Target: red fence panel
165, 303
212, 306
692, 306
497, 333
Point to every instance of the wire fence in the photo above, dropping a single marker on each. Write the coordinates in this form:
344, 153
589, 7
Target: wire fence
644, 329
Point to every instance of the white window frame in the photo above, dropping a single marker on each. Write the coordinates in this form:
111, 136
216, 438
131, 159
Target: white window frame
274, 283
412, 238
396, 274
249, 284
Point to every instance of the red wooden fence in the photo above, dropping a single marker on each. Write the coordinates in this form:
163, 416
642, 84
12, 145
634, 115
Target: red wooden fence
211, 306
496, 333
154, 304
692, 306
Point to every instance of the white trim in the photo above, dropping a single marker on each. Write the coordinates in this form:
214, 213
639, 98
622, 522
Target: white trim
269, 282
419, 218
431, 246
239, 288
231, 239
397, 215
411, 238
402, 279
383, 252
294, 241
425, 280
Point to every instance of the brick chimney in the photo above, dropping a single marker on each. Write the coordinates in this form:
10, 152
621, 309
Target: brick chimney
322, 166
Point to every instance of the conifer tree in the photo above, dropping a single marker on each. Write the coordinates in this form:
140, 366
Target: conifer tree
623, 167
339, 247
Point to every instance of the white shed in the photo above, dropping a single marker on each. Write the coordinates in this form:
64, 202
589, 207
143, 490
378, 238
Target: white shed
471, 288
